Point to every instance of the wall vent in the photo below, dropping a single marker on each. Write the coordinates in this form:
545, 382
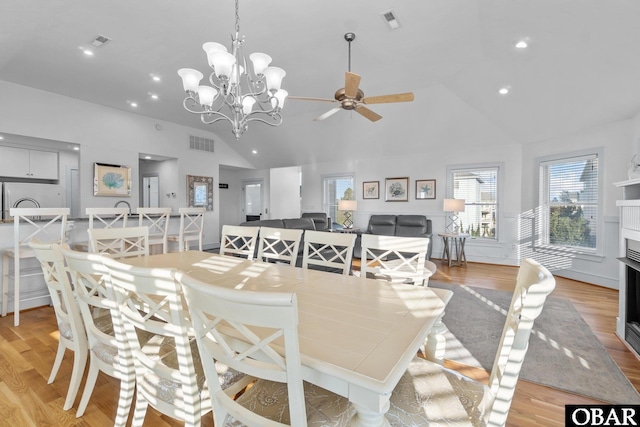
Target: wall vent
200, 144
390, 19
100, 40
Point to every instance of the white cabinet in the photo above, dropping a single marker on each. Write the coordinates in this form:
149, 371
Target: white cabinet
25, 163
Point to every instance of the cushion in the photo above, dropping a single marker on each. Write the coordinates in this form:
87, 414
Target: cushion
270, 400
412, 226
429, 394
275, 223
299, 223
320, 220
382, 225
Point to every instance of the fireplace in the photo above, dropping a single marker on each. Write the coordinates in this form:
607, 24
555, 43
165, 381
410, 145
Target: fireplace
632, 327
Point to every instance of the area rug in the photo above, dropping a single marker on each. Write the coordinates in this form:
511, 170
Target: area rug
563, 351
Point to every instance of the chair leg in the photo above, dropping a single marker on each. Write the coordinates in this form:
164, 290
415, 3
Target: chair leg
89, 384
79, 363
127, 389
58, 361
16, 291
140, 411
5, 283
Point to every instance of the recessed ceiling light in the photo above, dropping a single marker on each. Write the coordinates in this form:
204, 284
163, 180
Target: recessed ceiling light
504, 90
133, 104
76, 148
88, 52
155, 78
1, 137
147, 157
522, 44
153, 96
254, 151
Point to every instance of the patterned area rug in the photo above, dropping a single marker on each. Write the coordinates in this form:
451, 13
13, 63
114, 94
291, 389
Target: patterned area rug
563, 351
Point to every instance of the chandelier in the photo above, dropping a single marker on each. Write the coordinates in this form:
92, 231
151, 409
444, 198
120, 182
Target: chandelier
236, 94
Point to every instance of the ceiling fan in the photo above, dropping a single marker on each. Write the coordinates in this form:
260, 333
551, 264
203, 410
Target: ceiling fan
351, 97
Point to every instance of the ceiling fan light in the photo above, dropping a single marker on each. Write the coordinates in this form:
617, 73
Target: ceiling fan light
190, 79
206, 95
279, 97
247, 104
260, 62
222, 63
274, 76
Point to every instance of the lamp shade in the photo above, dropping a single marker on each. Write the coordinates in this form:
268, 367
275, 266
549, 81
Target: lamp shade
206, 95
190, 79
347, 205
278, 98
260, 62
453, 205
274, 76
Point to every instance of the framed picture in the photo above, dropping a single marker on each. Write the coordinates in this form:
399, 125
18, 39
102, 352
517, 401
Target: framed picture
371, 190
200, 191
396, 189
111, 180
425, 189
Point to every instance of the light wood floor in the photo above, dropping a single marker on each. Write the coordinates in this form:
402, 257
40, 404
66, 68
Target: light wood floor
27, 353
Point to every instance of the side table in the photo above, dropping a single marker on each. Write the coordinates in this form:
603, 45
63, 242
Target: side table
345, 230
454, 241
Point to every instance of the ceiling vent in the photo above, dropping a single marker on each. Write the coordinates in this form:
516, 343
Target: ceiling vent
100, 40
390, 19
200, 144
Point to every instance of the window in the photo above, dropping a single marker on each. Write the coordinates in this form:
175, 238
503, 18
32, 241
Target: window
569, 193
336, 187
478, 187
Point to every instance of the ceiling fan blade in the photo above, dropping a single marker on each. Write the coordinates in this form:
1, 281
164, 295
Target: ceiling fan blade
383, 99
305, 98
328, 114
364, 111
351, 83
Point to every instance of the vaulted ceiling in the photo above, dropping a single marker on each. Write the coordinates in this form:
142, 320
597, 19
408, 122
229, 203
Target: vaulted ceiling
581, 68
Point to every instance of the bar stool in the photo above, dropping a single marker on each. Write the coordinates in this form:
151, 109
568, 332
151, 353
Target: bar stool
191, 228
48, 225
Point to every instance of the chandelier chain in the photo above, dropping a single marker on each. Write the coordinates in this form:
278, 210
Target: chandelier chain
237, 17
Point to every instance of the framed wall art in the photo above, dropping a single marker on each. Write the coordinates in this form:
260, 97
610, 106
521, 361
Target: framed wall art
396, 189
200, 191
425, 189
111, 180
371, 190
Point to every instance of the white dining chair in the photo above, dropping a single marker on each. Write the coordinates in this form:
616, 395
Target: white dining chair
328, 250
430, 394
167, 377
119, 242
257, 333
44, 224
239, 241
157, 219
88, 276
107, 217
191, 228
279, 245
72, 335
394, 258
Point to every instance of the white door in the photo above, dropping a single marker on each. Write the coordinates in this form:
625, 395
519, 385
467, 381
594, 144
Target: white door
150, 191
253, 200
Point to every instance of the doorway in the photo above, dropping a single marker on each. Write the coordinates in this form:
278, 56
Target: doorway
150, 191
252, 199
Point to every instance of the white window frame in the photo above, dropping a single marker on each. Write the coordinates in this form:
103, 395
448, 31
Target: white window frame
542, 221
499, 167
326, 206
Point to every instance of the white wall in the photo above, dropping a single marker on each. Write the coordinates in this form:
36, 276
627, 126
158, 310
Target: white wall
285, 192
108, 135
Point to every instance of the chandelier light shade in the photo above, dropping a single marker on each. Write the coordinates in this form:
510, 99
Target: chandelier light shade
347, 206
453, 206
239, 92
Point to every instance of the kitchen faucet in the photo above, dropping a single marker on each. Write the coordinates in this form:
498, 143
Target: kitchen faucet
122, 201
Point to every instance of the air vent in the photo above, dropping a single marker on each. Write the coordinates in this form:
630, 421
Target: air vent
100, 40
200, 144
390, 19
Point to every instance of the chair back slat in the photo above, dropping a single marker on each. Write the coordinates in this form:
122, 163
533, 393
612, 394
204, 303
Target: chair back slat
119, 242
328, 250
107, 217
394, 258
157, 219
279, 244
238, 241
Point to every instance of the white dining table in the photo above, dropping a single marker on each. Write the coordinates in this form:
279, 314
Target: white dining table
357, 335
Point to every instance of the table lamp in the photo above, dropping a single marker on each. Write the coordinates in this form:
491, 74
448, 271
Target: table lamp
347, 206
453, 206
